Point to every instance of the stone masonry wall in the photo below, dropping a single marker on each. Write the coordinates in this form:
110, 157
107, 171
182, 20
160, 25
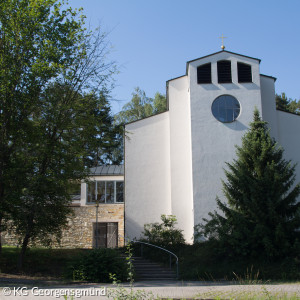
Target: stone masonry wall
80, 231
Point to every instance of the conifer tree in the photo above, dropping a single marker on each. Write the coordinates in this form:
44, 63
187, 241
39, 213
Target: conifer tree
262, 216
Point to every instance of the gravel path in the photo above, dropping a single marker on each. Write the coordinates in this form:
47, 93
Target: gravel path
33, 289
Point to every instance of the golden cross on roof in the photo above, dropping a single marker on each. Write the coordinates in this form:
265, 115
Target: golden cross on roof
223, 37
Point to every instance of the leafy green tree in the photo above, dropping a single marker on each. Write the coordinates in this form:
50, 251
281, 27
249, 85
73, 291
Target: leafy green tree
35, 47
164, 234
159, 103
294, 107
141, 107
108, 139
262, 216
285, 104
282, 102
66, 127
52, 72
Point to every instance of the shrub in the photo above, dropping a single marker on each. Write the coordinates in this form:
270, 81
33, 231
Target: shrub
97, 265
165, 233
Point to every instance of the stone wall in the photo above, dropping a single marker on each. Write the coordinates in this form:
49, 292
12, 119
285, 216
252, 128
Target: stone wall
80, 231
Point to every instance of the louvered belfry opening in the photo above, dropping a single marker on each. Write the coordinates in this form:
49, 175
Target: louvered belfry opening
204, 73
244, 72
224, 71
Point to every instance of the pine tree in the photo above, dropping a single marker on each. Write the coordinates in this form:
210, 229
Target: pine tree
262, 216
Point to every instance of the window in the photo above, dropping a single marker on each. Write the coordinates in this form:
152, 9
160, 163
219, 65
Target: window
244, 72
105, 192
119, 191
225, 108
105, 235
224, 71
100, 191
204, 73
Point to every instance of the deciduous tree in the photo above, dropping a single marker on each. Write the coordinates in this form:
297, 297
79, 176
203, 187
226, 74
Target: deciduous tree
288, 105
141, 107
53, 83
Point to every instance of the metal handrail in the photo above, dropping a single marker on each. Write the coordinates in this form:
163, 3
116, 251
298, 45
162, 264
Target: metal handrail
170, 253
148, 244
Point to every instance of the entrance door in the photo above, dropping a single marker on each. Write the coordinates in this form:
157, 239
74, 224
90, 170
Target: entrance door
105, 235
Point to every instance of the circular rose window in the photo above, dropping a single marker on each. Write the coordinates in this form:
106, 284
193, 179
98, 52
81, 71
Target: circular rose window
225, 108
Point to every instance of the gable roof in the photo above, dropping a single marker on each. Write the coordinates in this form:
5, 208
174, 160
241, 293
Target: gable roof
222, 51
108, 170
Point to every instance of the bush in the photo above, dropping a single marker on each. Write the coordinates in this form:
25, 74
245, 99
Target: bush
164, 234
97, 265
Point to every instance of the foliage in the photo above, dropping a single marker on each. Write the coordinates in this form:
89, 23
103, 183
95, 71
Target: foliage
97, 265
262, 216
40, 262
206, 261
107, 135
53, 111
285, 104
141, 107
119, 292
164, 234
196, 262
138, 108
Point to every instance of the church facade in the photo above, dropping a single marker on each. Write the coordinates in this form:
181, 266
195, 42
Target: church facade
174, 160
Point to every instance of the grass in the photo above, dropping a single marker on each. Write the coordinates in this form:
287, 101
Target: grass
256, 294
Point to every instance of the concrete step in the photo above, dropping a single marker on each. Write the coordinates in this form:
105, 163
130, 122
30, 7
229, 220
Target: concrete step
147, 270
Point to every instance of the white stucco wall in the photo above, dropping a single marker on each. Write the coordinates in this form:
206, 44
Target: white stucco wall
288, 131
213, 142
147, 173
181, 155
174, 161
269, 113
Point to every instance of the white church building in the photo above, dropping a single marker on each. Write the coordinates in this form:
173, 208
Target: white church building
174, 160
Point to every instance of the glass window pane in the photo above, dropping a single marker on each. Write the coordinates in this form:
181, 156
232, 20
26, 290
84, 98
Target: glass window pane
112, 235
225, 108
101, 191
91, 192
222, 115
110, 188
119, 191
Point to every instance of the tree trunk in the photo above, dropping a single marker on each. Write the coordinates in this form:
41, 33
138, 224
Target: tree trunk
23, 250
0, 240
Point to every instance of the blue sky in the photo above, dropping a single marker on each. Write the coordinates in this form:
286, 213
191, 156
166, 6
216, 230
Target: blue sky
152, 40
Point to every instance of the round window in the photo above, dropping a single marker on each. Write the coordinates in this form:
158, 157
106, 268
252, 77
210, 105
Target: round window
225, 108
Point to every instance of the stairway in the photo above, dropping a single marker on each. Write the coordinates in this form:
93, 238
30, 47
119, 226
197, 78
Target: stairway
147, 270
